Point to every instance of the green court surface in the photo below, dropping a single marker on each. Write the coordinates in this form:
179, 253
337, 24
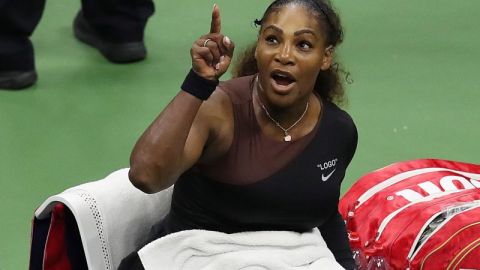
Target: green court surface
415, 95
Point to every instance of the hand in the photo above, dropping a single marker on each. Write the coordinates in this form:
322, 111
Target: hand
212, 53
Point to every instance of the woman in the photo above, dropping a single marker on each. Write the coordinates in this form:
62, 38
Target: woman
266, 151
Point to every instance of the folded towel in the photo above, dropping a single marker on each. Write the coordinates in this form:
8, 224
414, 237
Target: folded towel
209, 250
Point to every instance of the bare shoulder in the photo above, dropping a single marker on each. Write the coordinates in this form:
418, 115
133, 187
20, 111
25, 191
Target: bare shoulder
218, 105
217, 114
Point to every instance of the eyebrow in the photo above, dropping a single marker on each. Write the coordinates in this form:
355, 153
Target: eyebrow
299, 32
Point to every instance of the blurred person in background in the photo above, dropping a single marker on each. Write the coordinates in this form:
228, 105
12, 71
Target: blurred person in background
114, 27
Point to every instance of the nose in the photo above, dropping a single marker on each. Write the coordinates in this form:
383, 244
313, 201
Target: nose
284, 55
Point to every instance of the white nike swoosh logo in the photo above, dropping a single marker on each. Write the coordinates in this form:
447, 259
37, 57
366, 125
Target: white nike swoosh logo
325, 178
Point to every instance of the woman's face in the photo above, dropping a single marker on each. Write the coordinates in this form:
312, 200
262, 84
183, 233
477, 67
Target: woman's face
290, 53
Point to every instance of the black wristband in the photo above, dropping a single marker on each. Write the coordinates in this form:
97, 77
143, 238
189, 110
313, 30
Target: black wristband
198, 86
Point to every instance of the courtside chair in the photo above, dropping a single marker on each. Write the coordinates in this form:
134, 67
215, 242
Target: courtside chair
95, 224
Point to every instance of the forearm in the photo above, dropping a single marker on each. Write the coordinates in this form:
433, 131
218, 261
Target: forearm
335, 235
156, 158
170, 145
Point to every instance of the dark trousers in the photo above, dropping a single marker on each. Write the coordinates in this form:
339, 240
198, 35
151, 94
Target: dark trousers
115, 20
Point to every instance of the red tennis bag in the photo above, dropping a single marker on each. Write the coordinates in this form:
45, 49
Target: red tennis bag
420, 214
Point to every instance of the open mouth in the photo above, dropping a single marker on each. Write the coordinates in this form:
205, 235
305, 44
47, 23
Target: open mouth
282, 78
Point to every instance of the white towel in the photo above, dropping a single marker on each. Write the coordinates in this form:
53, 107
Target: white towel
259, 250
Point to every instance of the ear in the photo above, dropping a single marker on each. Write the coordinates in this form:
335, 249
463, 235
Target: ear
327, 58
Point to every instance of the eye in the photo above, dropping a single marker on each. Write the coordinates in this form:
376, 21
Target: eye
305, 45
271, 39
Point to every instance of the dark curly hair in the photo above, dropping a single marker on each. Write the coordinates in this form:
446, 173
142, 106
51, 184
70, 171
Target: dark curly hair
328, 84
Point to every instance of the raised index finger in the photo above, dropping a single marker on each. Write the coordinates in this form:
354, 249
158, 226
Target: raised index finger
216, 24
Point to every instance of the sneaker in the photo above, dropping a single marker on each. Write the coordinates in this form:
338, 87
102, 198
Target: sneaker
16, 80
114, 52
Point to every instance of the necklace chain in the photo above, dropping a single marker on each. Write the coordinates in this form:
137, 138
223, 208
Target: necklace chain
287, 137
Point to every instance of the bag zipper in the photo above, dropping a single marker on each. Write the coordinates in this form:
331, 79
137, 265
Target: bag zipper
469, 249
392, 215
445, 242
413, 250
